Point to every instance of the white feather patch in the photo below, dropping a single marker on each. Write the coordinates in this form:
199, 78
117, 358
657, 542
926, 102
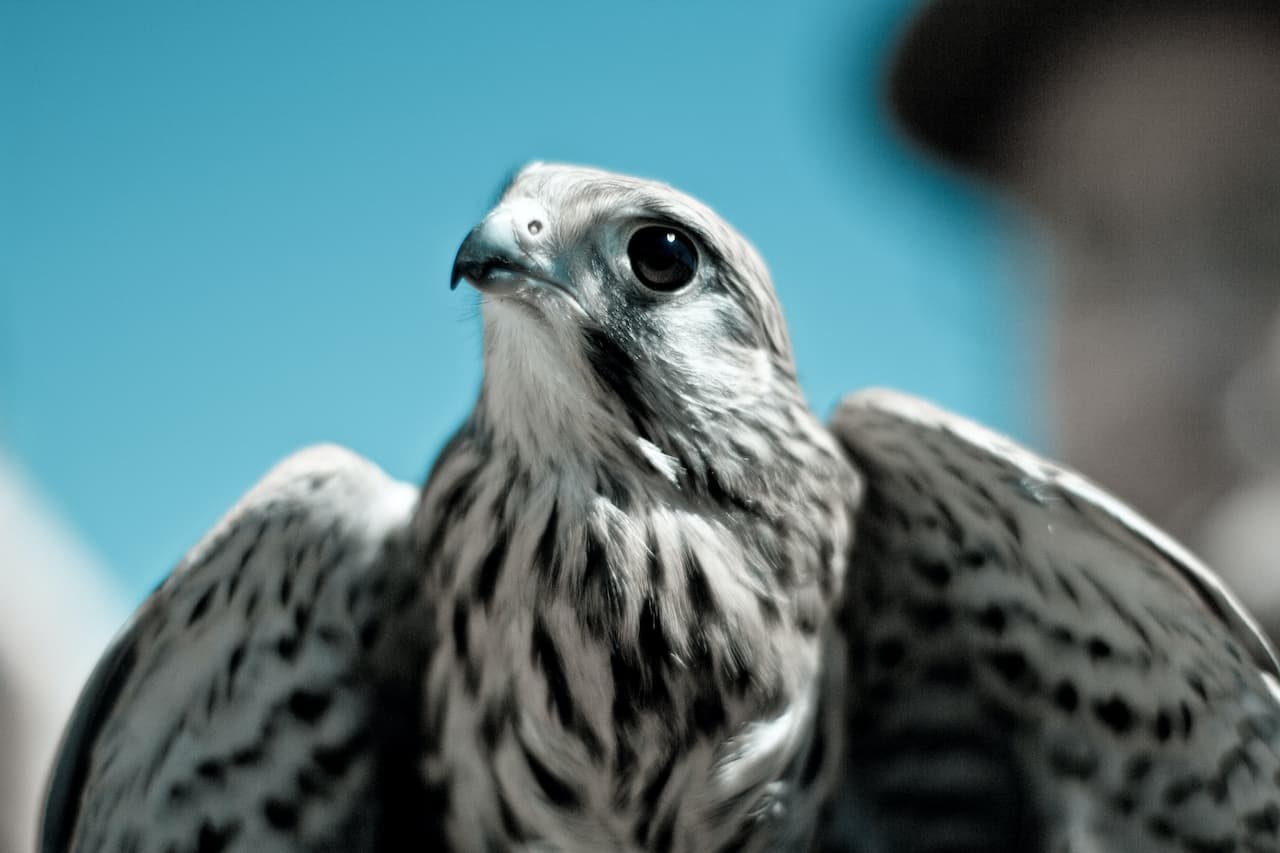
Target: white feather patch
664, 464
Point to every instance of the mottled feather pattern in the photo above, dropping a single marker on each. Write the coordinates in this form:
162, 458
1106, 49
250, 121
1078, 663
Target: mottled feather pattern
249, 713
983, 595
613, 640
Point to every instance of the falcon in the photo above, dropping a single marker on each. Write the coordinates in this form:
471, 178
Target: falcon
648, 601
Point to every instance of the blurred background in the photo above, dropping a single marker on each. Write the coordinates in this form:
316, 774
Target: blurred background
225, 233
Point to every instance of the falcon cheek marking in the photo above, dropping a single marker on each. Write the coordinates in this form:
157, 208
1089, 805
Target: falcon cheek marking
646, 601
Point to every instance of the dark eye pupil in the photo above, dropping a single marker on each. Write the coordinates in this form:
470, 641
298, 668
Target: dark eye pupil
662, 258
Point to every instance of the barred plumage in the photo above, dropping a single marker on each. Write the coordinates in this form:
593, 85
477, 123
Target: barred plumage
646, 601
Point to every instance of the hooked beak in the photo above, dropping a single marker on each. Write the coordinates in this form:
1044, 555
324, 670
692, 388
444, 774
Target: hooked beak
490, 266
498, 257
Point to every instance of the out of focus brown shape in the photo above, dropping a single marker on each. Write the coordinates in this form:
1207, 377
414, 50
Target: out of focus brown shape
1144, 139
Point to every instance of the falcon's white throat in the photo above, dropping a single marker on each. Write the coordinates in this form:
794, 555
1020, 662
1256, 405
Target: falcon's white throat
539, 398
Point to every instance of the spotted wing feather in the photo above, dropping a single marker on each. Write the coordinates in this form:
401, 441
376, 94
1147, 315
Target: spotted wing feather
246, 705
1032, 666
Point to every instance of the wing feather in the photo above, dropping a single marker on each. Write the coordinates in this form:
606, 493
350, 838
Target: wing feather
863, 416
264, 617
1018, 642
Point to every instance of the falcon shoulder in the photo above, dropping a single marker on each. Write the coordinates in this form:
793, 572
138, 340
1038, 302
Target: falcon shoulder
235, 710
1031, 665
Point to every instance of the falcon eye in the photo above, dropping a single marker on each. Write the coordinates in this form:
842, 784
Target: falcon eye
662, 258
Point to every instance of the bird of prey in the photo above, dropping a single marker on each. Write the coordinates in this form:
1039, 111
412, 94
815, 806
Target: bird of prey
648, 601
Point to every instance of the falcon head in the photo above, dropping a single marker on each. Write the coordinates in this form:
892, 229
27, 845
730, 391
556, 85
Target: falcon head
618, 309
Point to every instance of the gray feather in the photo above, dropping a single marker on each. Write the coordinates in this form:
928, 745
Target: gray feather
179, 736
1012, 626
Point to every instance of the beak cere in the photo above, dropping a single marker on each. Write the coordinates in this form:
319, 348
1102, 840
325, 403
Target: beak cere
498, 255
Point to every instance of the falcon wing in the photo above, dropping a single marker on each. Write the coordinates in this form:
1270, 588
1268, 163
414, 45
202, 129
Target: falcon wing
236, 709
872, 422
1030, 662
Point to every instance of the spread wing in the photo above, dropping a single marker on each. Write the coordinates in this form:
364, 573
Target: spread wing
1031, 665
236, 710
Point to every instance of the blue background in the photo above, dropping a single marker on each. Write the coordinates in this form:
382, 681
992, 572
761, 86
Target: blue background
226, 229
